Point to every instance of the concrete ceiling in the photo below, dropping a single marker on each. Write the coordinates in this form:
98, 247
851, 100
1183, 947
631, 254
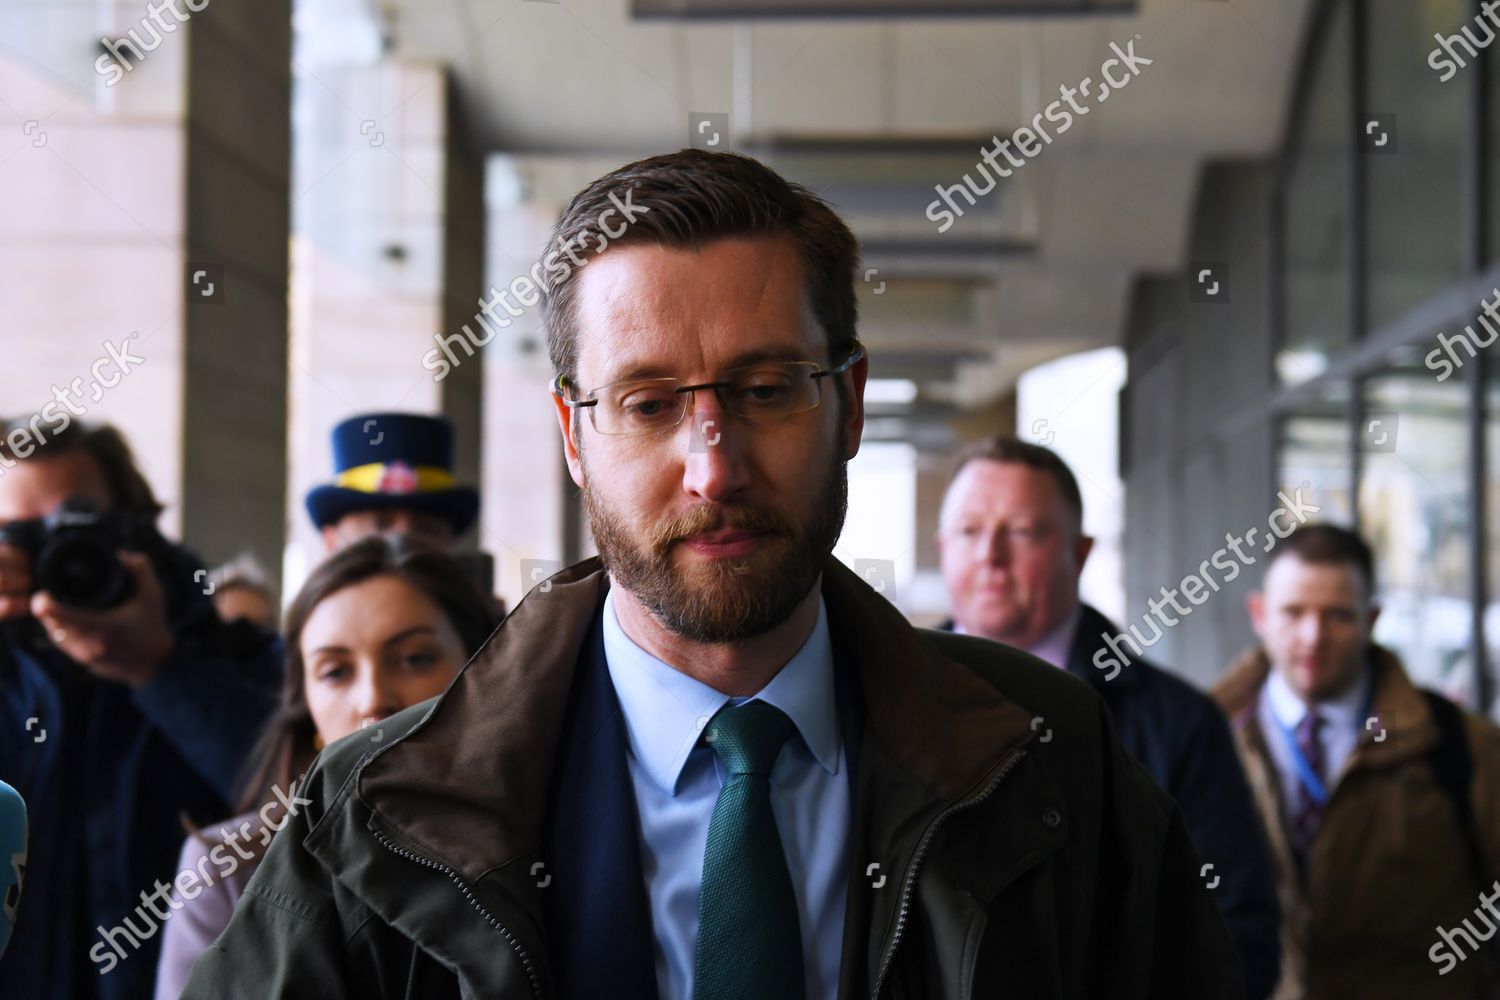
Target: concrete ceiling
576, 87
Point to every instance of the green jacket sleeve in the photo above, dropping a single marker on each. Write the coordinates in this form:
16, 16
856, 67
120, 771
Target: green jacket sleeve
289, 934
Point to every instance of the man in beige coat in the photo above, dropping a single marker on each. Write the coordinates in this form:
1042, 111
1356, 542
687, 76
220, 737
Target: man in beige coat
1381, 801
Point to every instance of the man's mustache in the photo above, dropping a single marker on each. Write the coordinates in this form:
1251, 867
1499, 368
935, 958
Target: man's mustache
703, 518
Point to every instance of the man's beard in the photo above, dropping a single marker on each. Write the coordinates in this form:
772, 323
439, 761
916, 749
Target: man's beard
729, 599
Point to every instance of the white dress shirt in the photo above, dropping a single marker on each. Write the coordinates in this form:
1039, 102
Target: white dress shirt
677, 780
1342, 726
1052, 647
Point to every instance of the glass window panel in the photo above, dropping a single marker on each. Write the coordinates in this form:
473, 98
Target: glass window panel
1414, 511
1414, 186
1492, 530
1313, 448
1316, 275
1457, 61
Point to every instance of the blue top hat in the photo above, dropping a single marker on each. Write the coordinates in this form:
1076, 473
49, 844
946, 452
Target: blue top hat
386, 460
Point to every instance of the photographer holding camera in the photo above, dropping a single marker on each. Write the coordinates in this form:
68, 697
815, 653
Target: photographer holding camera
125, 705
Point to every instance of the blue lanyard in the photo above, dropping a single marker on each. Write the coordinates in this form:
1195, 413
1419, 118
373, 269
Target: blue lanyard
1305, 772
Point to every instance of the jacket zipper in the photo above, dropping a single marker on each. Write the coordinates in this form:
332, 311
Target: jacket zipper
458, 880
909, 883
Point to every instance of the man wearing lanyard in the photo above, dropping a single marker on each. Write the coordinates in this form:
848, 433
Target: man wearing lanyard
1381, 801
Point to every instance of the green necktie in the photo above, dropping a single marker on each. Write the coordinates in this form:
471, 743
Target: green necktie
749, 941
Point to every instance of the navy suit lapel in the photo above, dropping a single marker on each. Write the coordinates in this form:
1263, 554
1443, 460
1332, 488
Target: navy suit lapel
1088, 642
851, 710
598, 917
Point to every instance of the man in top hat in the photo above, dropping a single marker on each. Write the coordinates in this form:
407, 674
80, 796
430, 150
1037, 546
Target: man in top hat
394, 475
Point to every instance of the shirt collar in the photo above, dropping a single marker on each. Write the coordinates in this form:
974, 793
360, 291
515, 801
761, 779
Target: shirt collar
1052, 647
1055, 645
666, 710
1341, 712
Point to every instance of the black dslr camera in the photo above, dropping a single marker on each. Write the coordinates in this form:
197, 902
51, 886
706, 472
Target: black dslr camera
73, 552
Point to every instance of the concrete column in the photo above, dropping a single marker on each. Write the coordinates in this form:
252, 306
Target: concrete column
388, 256
532, 512
144, 149
238, 141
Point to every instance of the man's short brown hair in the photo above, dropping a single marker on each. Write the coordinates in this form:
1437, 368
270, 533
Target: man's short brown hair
1329, 544
693, 197
1007, 449
128, 489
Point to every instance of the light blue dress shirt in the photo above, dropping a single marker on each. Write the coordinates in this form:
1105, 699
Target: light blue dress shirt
1345, 725
677, 780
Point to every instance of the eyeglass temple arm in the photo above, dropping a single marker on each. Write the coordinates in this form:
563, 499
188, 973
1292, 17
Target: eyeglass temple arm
846, 364
558, 389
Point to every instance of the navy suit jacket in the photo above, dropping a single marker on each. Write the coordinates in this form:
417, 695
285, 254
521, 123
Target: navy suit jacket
600, 939
1181, 736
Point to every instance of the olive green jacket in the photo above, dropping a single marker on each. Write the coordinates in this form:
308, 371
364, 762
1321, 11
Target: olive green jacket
1027, 854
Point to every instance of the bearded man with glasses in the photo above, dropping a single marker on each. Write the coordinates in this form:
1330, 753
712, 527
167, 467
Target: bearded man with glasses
711, 762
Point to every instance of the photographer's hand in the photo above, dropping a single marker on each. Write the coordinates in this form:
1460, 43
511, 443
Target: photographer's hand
15, 583
126, 644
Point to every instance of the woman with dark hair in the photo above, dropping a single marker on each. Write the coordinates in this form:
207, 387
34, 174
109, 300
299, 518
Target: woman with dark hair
379, 626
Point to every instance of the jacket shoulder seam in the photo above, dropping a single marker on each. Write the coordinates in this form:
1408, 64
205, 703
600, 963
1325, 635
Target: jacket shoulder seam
285, 903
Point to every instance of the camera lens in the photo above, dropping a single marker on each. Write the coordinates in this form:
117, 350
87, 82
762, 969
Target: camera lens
81, 572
